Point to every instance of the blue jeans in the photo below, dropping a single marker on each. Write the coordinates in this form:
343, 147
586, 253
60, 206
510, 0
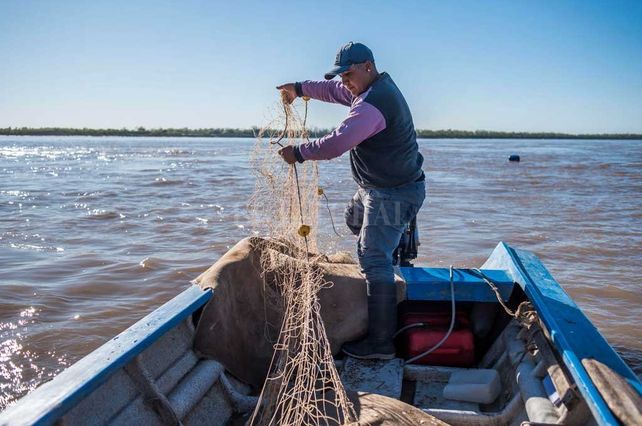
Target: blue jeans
379, 217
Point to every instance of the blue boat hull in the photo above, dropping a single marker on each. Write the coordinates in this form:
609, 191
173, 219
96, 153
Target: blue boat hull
572, 338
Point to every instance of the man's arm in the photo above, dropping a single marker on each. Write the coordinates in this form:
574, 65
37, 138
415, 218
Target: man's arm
327, 91
363, 121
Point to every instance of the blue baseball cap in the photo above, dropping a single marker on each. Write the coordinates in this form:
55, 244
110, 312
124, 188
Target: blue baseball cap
348, 55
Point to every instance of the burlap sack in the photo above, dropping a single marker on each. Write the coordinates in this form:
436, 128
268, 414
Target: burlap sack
379, 410
241, 323
372, 409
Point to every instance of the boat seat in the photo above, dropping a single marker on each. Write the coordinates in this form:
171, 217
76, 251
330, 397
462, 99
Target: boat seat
433, 284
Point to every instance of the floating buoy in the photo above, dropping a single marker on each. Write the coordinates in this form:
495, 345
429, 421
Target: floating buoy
514, 158
304, 230
319, 191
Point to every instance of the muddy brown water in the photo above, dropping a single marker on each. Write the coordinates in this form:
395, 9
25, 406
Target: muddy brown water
97, 232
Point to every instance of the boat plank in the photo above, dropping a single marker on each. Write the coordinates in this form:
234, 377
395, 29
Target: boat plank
383, 377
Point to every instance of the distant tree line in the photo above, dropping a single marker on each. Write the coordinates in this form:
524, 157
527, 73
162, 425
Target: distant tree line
492, 134
141, 131
315, 132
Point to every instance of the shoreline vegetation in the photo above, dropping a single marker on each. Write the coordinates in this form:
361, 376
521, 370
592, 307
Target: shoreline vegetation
314, 133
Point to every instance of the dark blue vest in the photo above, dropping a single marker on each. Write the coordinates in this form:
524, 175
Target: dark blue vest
391, 157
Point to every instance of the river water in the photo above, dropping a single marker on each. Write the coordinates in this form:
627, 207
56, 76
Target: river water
97, 232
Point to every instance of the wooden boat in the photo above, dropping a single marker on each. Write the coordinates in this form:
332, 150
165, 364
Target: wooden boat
560, 370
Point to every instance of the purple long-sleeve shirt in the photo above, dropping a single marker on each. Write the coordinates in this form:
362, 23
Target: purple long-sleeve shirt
363, 121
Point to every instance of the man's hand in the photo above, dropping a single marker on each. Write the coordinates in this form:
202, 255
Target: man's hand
288, 92
287, 153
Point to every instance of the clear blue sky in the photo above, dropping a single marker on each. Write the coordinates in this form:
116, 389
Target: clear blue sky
571, 66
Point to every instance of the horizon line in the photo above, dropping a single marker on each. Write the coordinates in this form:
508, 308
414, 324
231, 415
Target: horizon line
254, 131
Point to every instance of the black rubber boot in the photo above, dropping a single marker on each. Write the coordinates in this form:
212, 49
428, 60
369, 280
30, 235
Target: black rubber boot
382, 324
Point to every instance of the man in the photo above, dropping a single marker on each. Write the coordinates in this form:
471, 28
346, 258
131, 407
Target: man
386, 164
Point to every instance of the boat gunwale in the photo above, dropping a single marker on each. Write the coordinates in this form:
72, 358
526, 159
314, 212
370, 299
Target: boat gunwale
560, 336
53, 399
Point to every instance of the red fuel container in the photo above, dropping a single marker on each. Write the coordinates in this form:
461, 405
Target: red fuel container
457, 351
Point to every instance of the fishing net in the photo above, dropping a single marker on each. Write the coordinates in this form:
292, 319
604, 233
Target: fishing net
303, 386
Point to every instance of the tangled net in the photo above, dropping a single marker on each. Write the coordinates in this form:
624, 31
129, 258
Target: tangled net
303, 385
